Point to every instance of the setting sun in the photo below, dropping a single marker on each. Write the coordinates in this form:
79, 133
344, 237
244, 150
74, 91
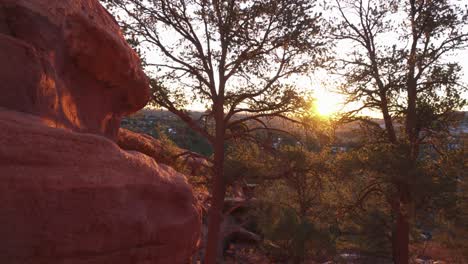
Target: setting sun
325, 107
327, 103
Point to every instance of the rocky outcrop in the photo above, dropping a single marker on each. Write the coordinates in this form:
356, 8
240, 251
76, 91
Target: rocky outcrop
67, 62
143, 143
68, 192
193, 164
69, 197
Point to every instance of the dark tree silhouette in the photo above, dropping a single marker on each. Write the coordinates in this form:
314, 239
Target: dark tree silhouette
231, 56
400, 66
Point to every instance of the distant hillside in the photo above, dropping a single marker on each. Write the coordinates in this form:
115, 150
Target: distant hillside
153, 122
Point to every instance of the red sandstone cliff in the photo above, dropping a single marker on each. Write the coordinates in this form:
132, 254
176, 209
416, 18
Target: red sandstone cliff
68, 193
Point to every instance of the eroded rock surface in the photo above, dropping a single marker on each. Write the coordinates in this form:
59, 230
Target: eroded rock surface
193, 163
68, 192
67, 62
69, 197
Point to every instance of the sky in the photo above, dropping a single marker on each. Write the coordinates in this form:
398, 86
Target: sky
327, 101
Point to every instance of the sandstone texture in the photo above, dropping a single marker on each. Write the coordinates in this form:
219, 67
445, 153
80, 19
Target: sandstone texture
67, 62
69, 197
143, 143
68, 192
192, 163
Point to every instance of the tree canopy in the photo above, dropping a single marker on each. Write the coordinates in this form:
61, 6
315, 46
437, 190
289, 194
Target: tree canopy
400, 66
230, 56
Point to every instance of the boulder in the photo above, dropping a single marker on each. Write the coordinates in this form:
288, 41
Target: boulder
68, 193
68, 197
67, 62
143, 143
170, 154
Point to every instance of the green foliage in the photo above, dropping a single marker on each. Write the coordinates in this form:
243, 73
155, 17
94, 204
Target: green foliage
245, 161
294, 216
185, 138
365, 177
450, 207
169, 151
359, 195
289, 237
188, 139
165, 126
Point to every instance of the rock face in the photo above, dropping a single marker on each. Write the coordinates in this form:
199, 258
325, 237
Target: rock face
146, 144
68, 193
67, 62
69, 197
171, 155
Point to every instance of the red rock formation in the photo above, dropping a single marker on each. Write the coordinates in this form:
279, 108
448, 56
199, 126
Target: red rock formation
67, 62
194, 164
146, 144
68, 196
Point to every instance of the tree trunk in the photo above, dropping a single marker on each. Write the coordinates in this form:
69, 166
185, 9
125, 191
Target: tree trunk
400, 236
218, 191
388, 120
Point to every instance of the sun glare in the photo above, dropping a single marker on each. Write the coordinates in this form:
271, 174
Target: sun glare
325, 108
327, 103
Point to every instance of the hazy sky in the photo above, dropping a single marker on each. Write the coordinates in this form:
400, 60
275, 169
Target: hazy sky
327, 101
